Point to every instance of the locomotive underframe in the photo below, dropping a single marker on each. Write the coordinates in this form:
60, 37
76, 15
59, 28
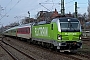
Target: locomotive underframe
68, 45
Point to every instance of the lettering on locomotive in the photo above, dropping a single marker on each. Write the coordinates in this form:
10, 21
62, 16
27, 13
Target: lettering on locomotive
41, 31
70, 33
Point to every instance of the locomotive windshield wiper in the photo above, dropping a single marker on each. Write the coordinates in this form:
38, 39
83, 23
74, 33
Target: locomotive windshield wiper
70, 26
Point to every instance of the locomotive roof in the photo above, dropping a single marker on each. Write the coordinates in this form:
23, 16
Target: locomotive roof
20, 26
66, 19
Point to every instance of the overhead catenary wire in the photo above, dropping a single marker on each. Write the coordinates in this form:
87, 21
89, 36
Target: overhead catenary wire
8, 4
82, 3
69, 6
34, 8
46, 1
53, 4
73, 5
9, 10
44, 7
70, 1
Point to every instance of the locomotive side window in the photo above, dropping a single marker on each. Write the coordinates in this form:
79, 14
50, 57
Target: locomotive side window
51, 26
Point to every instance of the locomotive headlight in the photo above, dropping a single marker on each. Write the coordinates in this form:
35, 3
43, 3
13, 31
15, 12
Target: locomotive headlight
80, 37
59, 37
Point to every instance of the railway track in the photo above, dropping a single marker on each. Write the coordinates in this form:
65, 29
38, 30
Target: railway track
80, 56
12, 55
9, 52
85, 38
70, 56
83, 55
73, 56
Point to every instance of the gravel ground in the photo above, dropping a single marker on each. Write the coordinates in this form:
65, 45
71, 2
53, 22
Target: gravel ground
4, 55
37, 53
85, 48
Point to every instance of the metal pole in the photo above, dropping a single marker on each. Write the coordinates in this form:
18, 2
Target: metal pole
76, 10
62, 8
29, 16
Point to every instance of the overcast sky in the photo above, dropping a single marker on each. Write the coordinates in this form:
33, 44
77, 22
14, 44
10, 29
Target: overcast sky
15, 10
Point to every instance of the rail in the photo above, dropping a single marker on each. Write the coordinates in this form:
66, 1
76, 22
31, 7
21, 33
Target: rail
20, 51
15, 58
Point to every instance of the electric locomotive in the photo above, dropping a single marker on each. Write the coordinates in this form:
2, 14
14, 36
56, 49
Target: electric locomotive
63, 34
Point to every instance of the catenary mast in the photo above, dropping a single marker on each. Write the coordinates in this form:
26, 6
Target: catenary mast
62, 8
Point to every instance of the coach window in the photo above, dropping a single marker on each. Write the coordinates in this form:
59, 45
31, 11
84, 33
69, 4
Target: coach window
17, 31
7, 32
21, 30
26, 30
11, 31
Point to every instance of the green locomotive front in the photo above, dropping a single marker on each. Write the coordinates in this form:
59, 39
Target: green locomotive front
63, 34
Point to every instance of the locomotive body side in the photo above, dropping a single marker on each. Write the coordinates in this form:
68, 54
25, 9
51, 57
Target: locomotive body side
66, 39
43, 33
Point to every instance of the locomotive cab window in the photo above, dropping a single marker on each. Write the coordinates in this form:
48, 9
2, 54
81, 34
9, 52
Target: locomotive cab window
69, 24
